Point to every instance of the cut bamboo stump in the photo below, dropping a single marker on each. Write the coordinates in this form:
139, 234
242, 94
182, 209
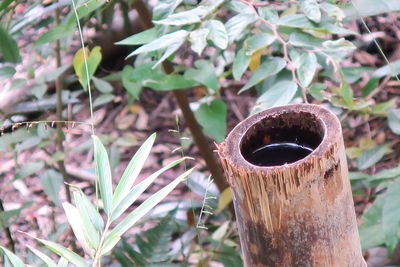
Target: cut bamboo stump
299, 213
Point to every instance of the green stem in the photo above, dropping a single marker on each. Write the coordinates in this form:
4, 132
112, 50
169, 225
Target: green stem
97, 256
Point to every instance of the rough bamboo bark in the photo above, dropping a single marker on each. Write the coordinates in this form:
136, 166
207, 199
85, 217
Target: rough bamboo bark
296, 214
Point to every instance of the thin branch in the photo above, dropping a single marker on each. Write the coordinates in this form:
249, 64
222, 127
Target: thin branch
59, 108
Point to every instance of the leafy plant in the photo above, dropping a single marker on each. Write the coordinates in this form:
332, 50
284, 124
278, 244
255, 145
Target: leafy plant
96, 236
151, 247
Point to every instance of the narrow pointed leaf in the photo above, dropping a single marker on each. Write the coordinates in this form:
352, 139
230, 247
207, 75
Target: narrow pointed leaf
104, 172
132, 170
266, 69
146, 206
46, 259
163, 42
91, 234
94, 215
77, 225
71, 256
240, 64
137, 190
143, 37
15, 261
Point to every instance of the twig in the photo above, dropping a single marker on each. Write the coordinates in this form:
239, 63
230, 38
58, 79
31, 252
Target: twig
59, 108
60, 134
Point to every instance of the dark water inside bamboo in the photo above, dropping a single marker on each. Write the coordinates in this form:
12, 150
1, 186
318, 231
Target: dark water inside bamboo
278, 154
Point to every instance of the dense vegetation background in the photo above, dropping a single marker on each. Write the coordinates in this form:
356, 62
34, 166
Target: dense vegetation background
189, 71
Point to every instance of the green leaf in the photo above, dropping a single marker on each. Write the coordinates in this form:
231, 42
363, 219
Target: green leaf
353, 74
5, 4
394, 120
333, 11
132, 170
15, 261
58, 32
257, 42
240, 64
104, 172
311, 10
268, 13
93, 60
306, 67
236, 25
239, 7
146, 206
8, 46
143, 37
212, 117
346, 92
184, 18
217, 33
382, 108
29, 169
5, 216
391, 216
367, 8
303, 39
92, 236
204, 73
52, 182
391, 69
46, 259
85, 204
339, 44
296, 21
138, 189
39, 90
198, 39
77, 225
279, 94
133, 86
169, 82
71, 256
103, 99
316, 90
266, 70
6, 73
102, 85
191, 16
371, 232
371, 156
165, 41
371, 85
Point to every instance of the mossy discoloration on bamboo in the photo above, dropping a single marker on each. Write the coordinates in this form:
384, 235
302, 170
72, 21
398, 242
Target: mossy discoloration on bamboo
298, 214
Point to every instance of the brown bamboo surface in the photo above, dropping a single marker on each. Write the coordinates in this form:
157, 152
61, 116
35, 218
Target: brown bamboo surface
297, 214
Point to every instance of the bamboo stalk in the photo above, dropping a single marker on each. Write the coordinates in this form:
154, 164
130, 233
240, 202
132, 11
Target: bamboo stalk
299, 213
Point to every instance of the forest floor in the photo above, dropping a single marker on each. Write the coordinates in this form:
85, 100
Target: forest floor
126, 127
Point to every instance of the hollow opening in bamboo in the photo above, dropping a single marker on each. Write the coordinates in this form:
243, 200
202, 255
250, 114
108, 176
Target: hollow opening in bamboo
282, 139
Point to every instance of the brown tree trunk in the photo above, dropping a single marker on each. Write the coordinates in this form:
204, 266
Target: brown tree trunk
299, 213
